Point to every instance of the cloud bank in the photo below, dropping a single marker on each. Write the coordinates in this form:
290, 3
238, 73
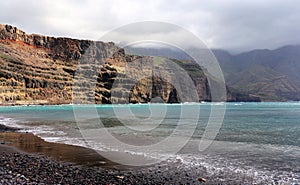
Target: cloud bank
232, 24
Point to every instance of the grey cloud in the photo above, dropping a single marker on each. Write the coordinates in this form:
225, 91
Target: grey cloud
232, 24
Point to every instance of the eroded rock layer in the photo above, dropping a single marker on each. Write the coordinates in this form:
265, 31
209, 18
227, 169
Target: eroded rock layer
39, 69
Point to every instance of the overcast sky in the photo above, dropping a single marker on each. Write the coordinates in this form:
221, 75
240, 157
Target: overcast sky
235, 25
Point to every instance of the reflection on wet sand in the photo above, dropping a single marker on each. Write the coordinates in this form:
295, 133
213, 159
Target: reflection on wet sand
32, 144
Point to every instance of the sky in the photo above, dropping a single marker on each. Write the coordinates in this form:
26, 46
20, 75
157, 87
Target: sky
234, 25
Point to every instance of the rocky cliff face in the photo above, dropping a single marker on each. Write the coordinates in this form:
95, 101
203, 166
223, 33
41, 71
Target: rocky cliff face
267, 75
39, 69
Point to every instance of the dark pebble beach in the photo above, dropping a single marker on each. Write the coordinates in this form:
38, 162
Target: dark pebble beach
23, 165
20, 168
27, 159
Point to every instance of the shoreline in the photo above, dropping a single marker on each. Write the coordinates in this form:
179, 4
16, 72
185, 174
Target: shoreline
25, 149
31, 144
71, 104
26, 158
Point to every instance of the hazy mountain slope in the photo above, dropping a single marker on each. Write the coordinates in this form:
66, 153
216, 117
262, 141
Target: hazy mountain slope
264, 82
272, 75
286, 60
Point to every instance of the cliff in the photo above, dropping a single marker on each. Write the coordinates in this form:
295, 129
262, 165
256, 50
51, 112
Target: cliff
268, 75
38, 69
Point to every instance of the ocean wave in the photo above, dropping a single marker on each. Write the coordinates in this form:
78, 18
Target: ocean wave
10, 122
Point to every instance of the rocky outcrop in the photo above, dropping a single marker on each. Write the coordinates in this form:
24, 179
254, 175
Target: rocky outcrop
38, 69
65, 49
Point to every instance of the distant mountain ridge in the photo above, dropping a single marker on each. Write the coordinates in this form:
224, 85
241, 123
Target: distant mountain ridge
271, 75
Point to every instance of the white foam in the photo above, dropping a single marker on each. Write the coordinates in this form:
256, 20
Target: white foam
213, 164
10, 122
238, 104
217, 166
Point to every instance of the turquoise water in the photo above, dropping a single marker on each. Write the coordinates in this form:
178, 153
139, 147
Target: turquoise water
262, 123
261, 140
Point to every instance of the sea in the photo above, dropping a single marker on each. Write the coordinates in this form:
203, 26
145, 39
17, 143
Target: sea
257, 140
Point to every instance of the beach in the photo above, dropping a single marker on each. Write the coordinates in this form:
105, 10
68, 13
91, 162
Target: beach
27, 159
43, 145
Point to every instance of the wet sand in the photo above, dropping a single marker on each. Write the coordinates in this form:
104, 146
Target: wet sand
29, 143
28, 159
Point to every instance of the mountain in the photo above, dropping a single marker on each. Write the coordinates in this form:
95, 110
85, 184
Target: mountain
271, 75
37, 69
